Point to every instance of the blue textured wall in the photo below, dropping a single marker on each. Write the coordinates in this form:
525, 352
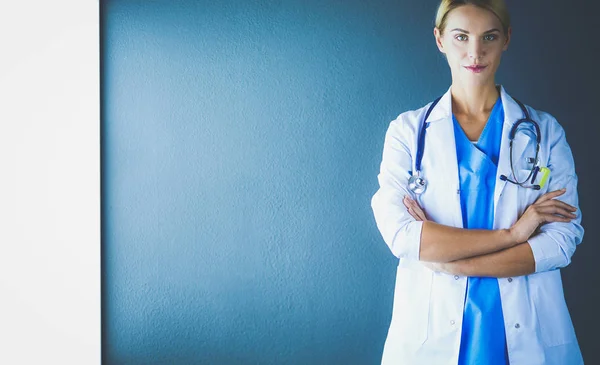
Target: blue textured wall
241, 141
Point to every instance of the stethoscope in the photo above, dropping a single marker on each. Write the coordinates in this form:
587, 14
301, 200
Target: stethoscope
417, 183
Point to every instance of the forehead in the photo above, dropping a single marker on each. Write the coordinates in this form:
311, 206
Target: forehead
473, 19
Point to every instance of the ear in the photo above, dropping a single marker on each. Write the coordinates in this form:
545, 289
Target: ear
438, 39
508, 38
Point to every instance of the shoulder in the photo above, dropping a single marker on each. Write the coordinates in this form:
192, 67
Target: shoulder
547, 122
552, 132
408, 122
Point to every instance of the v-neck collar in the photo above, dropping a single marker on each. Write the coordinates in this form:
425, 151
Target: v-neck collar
441, 133
491, 119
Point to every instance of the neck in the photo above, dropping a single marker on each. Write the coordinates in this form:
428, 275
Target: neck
473, 100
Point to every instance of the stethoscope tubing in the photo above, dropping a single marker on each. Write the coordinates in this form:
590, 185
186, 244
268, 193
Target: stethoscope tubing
418, 184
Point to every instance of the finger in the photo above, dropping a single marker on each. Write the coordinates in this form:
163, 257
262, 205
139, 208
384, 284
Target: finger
556, 202
551, 195
417, 209
430, 265
412, 202
413, 214
421, 214
416, 214
564, 205
555, 217
556, 210
417, 217
548, 218
407, 200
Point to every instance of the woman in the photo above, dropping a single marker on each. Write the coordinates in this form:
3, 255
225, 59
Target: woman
478, 280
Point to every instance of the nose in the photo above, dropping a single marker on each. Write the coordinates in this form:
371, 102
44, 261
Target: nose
476, 50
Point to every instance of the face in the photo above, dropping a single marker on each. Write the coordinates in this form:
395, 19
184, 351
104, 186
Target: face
473, 42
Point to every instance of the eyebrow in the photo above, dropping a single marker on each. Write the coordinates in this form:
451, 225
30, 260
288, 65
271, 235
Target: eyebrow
467, 32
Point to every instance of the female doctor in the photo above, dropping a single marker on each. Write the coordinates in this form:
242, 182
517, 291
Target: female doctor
480, 248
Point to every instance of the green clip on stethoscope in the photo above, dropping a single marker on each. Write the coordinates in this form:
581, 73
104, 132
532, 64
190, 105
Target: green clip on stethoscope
417, 183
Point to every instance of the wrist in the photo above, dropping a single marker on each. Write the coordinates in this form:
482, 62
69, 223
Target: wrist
460, 267
509, 237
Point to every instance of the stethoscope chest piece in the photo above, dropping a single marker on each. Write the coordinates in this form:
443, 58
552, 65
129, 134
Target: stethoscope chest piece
417, 184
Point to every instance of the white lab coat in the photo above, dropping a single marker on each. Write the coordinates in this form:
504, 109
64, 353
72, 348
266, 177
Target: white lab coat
426, 322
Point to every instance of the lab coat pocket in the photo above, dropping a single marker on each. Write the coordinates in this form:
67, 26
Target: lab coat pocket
554, 321
527, 196
410, 316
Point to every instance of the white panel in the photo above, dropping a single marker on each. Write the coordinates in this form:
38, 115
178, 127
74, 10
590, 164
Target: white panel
49, 182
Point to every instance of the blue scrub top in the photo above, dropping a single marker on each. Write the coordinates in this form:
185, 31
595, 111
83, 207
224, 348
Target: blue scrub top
483, 340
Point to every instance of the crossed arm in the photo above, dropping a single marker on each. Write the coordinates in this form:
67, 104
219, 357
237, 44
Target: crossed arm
499, 253
529, 246
515, 261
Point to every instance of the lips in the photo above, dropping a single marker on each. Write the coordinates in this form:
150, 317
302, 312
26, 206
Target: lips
475, 68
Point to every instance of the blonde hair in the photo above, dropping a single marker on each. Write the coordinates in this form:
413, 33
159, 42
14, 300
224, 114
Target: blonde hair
497, 7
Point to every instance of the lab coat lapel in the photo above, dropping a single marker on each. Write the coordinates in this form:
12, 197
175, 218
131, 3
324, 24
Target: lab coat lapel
440, 134
512, 113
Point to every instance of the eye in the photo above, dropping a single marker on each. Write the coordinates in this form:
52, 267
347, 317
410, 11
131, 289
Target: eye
461, 37
490, 37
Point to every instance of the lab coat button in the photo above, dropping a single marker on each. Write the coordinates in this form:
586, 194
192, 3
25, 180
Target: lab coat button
509, 280
452, 322
456, 277
517, 326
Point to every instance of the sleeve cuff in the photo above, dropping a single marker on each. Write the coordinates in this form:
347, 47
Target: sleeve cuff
407, 243
546, 253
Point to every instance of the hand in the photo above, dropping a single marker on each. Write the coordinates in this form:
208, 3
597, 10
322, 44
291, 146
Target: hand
417, 213
545, 209
414, 209
446, 268
434, 266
